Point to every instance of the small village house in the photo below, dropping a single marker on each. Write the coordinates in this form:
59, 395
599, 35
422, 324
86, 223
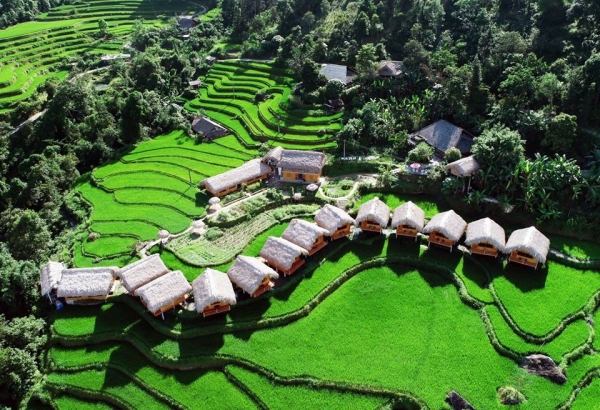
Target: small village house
234, 179
86, 285
295, 165
213, 293
390, 69
334, 105
528, 247
442, 136
408, 220
251, 275
485, 237
50, 275
307, 235
283, 255
373, 216
464, 167
445, 229
208, 128
165, 292
335, 72
337, 222
141, 272
195, 84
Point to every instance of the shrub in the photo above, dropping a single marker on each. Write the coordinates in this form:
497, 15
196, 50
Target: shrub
423, 152
93, 236
453, 154
213, 233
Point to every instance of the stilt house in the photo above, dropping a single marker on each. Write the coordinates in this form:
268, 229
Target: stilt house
165, 292
307, 235
141, 272
485, 237
50, 275
408, 220
86, 284
282, 255
335, 220
445, 229
213, 293
528, 247
232, 180
251, 275
373, 216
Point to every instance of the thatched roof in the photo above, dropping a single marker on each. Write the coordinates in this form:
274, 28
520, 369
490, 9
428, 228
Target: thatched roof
50, 275
164, 291
448, 223
442, 135
235, 176
86, 282
486, 231
376, 210
332, 218
303, 233
248, 273
212, 287
281, 252
409, 214
141, 272
529, 240
464, 167
304, 162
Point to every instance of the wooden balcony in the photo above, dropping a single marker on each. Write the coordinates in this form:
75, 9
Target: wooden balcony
523, 259
317, 247
484, 249
406, 231
439, 239
371, 226
215, 309
340, 233
265, 287
295, 266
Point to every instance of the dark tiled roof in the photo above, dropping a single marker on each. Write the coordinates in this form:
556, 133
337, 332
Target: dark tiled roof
442, 135
208, 127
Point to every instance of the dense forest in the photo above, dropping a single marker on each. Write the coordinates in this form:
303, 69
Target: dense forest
523, 75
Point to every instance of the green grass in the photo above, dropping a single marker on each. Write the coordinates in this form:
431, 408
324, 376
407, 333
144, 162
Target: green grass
573, 336
576, 248
66, 402
554, 292
109, 245
302, 397
112, 383
208, 389
588, 399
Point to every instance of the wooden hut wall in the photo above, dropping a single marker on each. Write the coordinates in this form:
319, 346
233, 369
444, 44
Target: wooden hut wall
439, 239
523, 258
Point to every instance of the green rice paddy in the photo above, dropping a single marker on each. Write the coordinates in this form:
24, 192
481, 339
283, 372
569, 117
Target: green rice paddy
228, 96
35, 51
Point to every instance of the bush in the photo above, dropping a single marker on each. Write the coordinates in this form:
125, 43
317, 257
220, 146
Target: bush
421, 153
213, 233
93, 236
453, 154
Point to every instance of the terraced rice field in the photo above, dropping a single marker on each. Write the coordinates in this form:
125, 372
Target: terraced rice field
228, 96
152, 187
366, 323
35, 51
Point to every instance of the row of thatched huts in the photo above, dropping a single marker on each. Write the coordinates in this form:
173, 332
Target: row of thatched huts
483, 237
148, 278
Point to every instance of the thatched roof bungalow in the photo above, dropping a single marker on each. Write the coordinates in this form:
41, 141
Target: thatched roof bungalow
485, 237
295, 165
165, 292
209, 128
464, 167
307, 235
141, 272
283, 255
86, 284
335, 220
251, 275
232, 180
373, 215
445, 229
390, 69
528, 247
50, 275
213, 293
408, 220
